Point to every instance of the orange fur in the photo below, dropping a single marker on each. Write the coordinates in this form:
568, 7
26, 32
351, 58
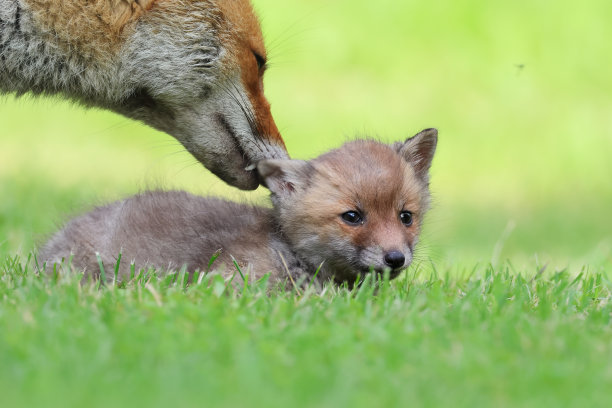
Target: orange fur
191, 68
248, 40
92, 27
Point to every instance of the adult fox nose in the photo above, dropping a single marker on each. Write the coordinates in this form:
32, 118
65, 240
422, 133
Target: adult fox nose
394, 259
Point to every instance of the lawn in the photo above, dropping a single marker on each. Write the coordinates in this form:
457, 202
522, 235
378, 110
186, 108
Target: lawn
490, 337
509, 304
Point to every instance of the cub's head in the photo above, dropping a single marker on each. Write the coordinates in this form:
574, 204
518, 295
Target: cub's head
357, 208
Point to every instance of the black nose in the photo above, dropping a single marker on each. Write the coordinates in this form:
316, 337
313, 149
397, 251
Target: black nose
394, 259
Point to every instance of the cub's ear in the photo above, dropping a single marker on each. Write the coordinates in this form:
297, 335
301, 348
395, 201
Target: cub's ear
284, 177
419, 151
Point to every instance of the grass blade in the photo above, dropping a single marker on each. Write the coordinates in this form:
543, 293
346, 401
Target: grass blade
102, 280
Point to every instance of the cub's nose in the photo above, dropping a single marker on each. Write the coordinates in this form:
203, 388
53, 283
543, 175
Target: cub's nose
394, 259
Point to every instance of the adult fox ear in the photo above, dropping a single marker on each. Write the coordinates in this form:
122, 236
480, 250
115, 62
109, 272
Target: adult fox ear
419, 151
284, 177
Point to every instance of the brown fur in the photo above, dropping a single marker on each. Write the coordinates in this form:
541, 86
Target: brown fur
303, 231
93, 27
381, 199
365, 176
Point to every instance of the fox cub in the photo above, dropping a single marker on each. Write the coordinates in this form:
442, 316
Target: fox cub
349, 212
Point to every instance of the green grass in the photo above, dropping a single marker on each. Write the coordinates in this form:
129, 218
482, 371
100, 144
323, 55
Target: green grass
486, 337
520, 92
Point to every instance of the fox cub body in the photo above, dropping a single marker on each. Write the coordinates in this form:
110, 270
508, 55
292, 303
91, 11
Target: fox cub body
351, 211
191, 68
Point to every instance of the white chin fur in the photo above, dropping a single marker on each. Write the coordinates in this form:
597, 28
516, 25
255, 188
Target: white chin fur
212, 130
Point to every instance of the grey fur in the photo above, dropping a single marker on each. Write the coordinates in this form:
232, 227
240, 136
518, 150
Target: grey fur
166, 74
30, 62
169, 230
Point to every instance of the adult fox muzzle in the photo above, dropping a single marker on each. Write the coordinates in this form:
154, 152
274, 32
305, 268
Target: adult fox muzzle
193, 69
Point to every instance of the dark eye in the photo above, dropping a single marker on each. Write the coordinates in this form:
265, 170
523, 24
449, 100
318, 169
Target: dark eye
261, 61
352, 218
406, 218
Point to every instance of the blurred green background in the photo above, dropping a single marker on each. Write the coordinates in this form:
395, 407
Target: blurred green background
521, 93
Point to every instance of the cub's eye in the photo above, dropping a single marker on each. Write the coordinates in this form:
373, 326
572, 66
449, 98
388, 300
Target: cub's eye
406, 218
352, 218
261, 62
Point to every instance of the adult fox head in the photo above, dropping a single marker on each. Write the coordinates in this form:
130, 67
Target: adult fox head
357, 207
191, 68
